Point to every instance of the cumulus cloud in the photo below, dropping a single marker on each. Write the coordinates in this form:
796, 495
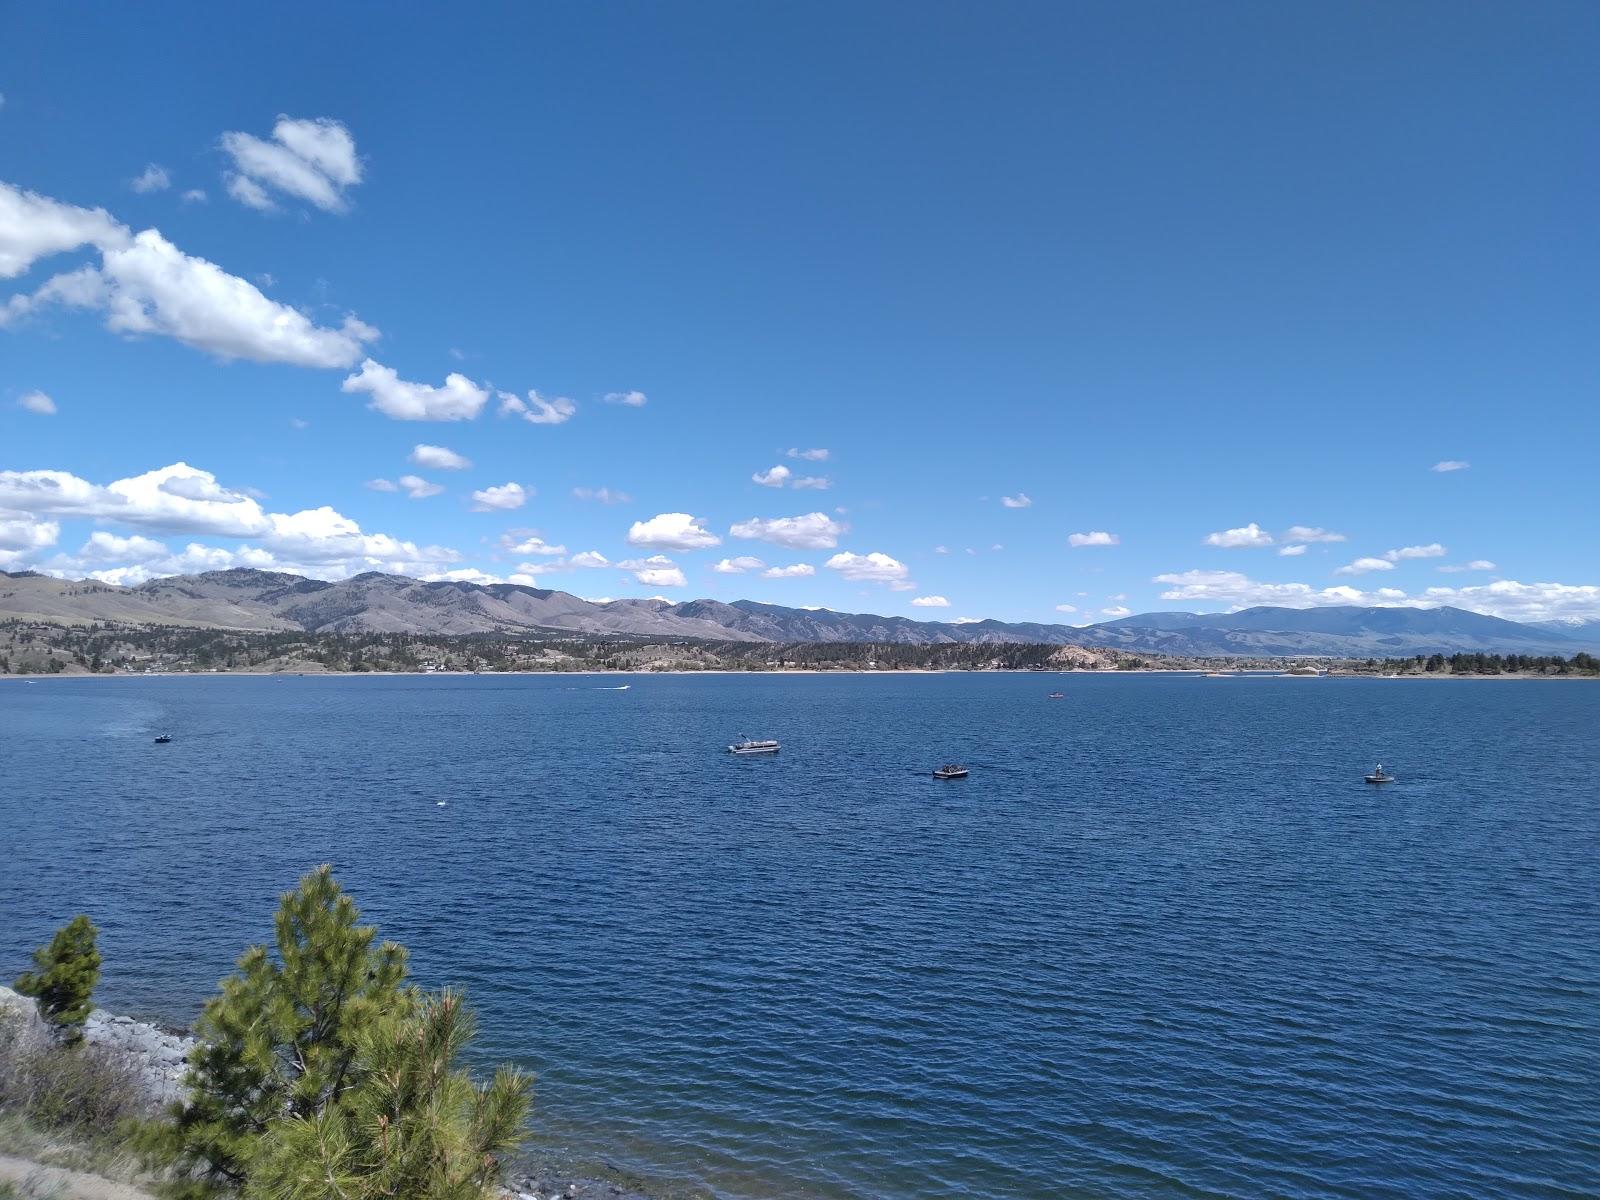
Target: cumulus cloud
1431, 550
531, 544
774, 477
37, 402
1311, 533
1115, 611
812, 531
672, 531
536, 410
657, 571
1096, 538
589, 559
1477, 564
1066, 608
1450, 464
1363, 566
151, 179
816, 455
313, 160
146, 285
501, 498
418, 488
629, 399
23, 535
438, 458
602, 495
797, 571
739, 565
1522, 601
1245, 536
1291, 551
1020, 500
871, 568
929, 602
34, 227
458, 400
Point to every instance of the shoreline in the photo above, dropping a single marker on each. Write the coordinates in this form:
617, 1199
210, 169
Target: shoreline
1202, 672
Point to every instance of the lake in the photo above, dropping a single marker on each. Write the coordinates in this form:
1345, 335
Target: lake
1162, 942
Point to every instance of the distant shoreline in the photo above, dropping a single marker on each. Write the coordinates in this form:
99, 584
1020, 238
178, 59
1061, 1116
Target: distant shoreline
1201, 672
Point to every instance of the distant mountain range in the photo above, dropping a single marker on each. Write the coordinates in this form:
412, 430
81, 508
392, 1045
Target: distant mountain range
377, 603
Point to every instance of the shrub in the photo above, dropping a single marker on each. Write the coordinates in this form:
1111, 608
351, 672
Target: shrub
68, 969
81, 1090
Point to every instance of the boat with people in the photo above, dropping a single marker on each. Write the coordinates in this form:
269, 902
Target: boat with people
1379, 775
1056, 696
754, 746
163, 738
951, 771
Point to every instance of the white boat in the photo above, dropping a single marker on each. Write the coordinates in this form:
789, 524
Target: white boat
1379, 775
754, 746
951, 771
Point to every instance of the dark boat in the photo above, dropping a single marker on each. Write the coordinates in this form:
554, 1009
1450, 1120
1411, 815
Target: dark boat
951, 771
1379, 775
163, 738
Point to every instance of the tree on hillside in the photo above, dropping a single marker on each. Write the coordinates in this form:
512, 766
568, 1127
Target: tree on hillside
295, 1042
68, 969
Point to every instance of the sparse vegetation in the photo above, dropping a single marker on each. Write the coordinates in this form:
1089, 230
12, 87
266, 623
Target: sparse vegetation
63, 984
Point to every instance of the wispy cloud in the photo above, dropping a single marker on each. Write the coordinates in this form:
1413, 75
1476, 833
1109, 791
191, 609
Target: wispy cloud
307, 159
1363, 566
812, 531
37, 402
1431, 550
151, 179
1020, 500
1450, 464
439, 458
627, 399
817, 455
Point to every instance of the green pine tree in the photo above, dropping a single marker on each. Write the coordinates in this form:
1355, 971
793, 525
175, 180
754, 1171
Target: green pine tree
411, 1125
68, 969
280, 1037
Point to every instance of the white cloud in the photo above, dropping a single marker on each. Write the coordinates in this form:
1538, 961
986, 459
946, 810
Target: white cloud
1291, 551
814, 483
813, 531
22, 536
1311, 533
630, 399
872, 568
1450, 464
1096, 538
1066, 608
37, 402
941, 549
967, 621
929, 602
418, 488
501, 498
34, 227
151, 179
438, 458
313, 160
108, 547
194, 196
1477, 564
458, 400
1246, 535
536, 410
1363, 566
817, 455
656, 571
774, 477
738, 566
797, 571
1116, 610
1238, 590
383, 485
463, 575
249, 193
602, 495
533, 545
1431, 550
672, 531
589, 559
149, 286
1020, 500
1522, 601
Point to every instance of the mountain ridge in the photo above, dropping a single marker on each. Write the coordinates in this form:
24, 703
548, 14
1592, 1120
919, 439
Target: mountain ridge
246, 599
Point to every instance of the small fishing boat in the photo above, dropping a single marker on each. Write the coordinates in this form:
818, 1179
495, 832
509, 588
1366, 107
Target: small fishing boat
1056, 696
951, 771
1379, 775
162, 739
754, 746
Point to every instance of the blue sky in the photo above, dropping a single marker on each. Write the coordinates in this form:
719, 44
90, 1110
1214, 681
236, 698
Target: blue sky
1165, 272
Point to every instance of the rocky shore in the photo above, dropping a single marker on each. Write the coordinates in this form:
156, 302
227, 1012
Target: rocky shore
160, 1057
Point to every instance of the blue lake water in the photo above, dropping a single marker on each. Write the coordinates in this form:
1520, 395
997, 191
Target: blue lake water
1163, 942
